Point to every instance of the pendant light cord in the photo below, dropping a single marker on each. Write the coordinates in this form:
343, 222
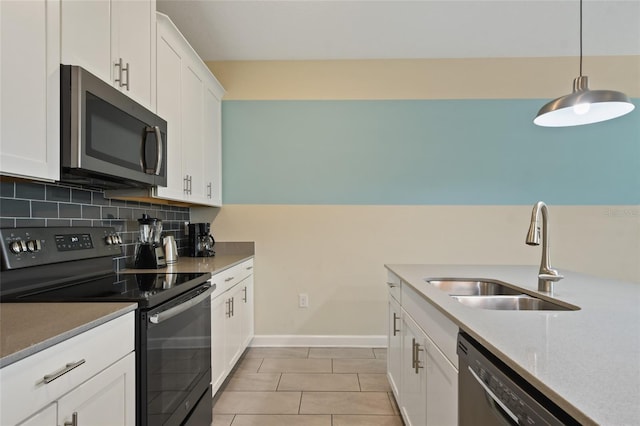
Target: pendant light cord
580, 38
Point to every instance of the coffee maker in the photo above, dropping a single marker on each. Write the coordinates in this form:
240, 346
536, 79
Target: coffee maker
201, 242
149, 251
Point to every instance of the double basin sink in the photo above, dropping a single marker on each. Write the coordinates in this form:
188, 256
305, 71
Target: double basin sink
495, 295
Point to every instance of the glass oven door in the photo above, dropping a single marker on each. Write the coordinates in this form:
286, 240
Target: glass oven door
178, 357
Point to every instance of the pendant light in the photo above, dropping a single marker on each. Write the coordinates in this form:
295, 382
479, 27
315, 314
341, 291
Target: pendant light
583, 106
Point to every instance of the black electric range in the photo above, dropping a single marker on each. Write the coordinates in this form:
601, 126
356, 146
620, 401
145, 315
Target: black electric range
173, 319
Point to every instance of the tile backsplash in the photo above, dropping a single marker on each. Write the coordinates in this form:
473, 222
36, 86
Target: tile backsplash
30, 204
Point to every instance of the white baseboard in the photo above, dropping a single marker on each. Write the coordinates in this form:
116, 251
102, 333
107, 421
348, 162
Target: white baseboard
320, 341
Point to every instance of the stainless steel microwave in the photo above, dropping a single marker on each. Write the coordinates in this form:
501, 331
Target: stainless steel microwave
108, 140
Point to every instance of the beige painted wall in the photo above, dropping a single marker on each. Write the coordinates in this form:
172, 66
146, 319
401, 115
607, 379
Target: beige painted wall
505, 78
336, 253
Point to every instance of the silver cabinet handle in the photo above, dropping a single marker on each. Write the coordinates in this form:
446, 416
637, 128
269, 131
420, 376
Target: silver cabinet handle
395, 329
209, 190
244, 298
127, 69
185, 184
48, 378
170, 313
493, 396
228, 308
122, 69
413, 353
228, 279
249, 268
417, 349
119, 78
74, 420
233, 307
392, 285
190, 185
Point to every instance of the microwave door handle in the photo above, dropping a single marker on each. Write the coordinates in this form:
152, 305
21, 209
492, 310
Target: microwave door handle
159, 147
143, 150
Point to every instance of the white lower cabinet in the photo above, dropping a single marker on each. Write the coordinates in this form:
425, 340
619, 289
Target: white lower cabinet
231, 319
394, 347
442, 387
104, 399
422, 372
413, 388
89, 377
46, 416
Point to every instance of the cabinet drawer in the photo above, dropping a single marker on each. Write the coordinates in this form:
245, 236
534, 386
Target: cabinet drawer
442, 331
226, 279
395, 285
22, 385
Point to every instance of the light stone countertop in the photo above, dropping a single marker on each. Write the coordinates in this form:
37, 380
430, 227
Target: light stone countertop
27, 328
586, 361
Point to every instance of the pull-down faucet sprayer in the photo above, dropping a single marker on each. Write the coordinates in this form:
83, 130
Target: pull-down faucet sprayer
547, 275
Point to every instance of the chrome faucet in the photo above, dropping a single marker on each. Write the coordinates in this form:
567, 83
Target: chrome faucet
547, 275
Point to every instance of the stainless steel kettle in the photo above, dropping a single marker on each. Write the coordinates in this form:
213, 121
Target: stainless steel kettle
170, 249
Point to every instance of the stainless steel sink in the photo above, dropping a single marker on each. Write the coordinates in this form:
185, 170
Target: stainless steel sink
472, 287
522, 302
495, 295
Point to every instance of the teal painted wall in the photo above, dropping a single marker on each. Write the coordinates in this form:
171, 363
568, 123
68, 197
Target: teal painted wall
423, 152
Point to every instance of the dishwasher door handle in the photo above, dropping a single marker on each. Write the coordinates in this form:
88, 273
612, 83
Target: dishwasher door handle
170, 313
493, 396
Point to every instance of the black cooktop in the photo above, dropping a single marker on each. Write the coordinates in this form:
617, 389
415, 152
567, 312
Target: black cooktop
147, 289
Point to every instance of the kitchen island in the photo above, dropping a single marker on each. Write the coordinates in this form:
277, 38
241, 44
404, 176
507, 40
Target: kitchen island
587, 361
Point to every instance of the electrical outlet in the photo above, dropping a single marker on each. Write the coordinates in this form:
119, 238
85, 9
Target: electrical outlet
303, 300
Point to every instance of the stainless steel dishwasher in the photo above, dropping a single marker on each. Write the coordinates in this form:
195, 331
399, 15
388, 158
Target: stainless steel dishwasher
490, 393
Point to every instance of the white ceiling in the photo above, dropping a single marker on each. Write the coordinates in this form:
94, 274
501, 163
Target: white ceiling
361, 29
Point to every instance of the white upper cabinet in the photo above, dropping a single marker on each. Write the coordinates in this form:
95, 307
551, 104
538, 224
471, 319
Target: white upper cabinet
212, 150
30, 87
115, 40
189, 97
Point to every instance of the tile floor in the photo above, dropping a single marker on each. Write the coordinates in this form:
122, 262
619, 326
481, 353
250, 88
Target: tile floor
308, 387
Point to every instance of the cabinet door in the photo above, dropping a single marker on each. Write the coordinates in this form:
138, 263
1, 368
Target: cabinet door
218, 364
211, 147
246, 304
414, 377
192, 106
30, 86
233, 326
46, 416
132, 24
106, 399
86, 36
394, 347
169, 101
442, 388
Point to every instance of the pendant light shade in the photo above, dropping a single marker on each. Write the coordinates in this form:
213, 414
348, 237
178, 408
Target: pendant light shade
583, 106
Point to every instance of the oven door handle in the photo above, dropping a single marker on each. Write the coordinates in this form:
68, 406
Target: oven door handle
170, 313
493, 396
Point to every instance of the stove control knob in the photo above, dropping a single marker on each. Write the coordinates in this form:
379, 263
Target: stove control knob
118, 239
33, 246
16, 246
109, 240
